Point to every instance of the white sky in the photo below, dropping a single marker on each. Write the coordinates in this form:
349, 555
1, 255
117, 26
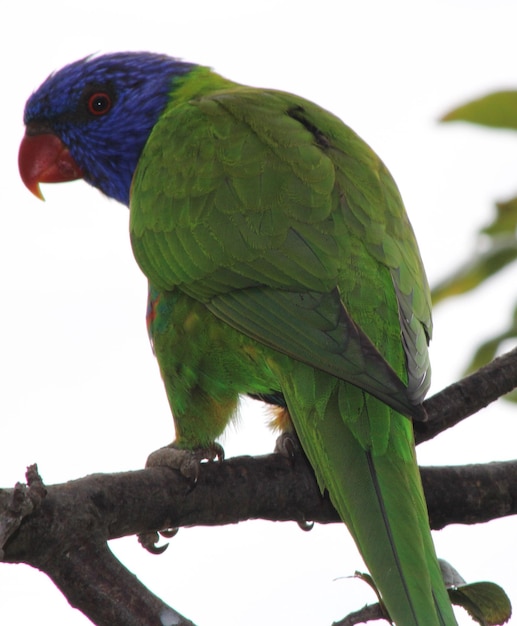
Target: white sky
80, 390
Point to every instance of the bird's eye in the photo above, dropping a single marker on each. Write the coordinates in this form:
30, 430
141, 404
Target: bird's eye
99, 103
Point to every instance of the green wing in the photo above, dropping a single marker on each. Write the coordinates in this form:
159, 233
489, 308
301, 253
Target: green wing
266, 197
314, 328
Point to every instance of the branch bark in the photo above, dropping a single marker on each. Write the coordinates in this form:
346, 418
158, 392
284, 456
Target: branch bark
468, 396
63, 529
65, 536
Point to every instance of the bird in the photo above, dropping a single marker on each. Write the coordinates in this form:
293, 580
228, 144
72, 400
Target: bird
281, 265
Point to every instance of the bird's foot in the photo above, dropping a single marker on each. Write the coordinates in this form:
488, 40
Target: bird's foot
187, 462
149, 540
288, 445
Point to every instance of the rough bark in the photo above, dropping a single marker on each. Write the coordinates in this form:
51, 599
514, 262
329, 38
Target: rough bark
63, 529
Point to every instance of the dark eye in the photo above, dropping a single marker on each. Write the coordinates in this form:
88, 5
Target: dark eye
99, 103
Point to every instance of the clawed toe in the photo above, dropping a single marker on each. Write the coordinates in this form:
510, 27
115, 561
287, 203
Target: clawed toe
288, 445
185, 461
305, 525
149, 540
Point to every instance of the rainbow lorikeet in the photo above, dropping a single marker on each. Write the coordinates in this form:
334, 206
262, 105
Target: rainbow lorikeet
281, 264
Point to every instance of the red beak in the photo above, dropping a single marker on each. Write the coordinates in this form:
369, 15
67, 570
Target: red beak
43, 158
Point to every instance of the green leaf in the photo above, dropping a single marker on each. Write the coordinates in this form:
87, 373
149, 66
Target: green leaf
485, 602
505, 221
489, 349
501, 253
511, 397
485, 353
498, 110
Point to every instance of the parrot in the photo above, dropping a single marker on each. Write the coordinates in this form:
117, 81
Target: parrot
281, 265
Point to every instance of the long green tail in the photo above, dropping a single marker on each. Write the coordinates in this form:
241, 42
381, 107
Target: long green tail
376, 489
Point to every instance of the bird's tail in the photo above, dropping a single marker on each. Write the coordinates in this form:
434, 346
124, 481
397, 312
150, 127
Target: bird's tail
373, 480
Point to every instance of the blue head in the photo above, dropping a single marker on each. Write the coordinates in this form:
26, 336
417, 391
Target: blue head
102, 108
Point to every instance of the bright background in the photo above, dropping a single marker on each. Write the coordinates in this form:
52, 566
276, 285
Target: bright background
80, 391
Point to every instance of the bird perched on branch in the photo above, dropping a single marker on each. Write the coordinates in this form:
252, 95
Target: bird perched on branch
281, 264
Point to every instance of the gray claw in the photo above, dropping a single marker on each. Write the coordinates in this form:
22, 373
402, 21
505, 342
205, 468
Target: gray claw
305, 525
149, 542
287, 445
169, 533
187, 462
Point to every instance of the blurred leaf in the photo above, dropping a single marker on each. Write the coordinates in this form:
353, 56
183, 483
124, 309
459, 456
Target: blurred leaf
484, 354
505, 221
511, 397
489, 349
502, 252
485, 602
498, 110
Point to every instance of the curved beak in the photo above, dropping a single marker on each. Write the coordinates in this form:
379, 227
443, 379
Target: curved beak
44, 158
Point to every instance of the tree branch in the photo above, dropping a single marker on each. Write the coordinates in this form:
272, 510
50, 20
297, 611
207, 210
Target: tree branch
62, 529
368, 613
468, 396
65, 536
